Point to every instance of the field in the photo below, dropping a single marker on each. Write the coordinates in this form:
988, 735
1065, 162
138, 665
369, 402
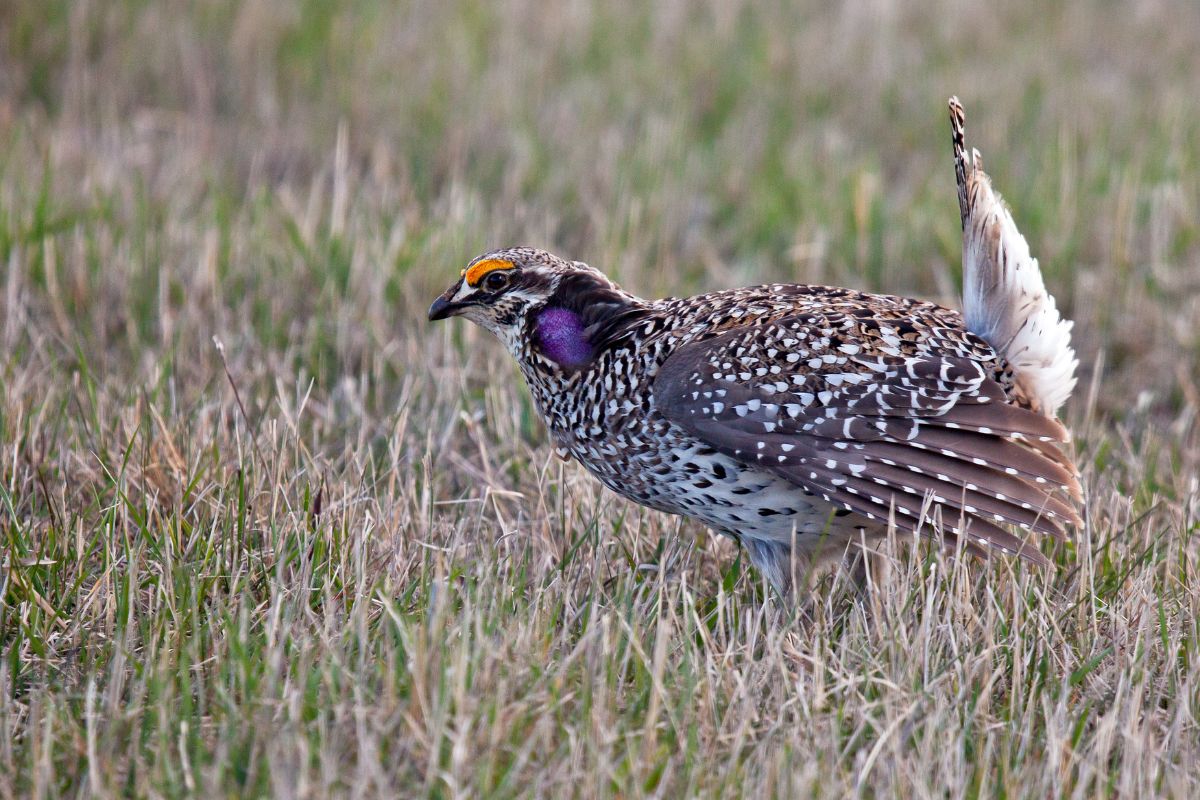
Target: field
267, 532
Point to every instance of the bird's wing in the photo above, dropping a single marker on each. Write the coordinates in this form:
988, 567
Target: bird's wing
879, 418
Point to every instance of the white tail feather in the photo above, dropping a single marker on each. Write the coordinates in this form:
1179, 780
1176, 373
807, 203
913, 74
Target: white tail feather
1004, 298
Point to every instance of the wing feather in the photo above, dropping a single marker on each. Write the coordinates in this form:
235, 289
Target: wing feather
885, 431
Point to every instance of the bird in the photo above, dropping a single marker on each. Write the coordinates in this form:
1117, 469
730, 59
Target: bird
799, 420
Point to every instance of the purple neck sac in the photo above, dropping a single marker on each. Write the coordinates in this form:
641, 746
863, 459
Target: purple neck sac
560, 334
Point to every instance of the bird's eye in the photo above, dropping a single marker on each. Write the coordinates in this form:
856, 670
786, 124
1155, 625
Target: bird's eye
495, 282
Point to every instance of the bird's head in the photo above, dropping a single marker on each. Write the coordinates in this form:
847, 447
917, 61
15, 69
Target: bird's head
534, 301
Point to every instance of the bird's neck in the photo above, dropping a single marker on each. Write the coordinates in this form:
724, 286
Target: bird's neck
567, 344
561, 336
579, 322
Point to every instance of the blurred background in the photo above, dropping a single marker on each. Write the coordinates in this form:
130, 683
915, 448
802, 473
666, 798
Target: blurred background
266, 531
302, 177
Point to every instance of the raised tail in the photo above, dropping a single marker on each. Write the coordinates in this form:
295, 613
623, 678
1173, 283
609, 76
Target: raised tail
1004, 298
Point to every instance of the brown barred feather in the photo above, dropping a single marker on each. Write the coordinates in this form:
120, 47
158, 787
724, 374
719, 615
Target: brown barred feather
959, 473
871, 444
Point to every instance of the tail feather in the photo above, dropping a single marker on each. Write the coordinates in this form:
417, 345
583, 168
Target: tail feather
1004, 298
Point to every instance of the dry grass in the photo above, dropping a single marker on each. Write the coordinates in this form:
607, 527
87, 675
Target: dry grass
375, 579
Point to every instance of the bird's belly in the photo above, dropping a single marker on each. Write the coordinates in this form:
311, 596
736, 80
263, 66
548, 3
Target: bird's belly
728, 495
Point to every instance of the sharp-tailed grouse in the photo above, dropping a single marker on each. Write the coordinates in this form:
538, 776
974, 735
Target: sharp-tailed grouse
797, 419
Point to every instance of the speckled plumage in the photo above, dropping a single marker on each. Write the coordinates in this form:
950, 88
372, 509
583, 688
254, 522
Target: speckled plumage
792, 418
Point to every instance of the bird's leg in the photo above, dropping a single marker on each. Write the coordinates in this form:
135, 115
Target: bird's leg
773, 559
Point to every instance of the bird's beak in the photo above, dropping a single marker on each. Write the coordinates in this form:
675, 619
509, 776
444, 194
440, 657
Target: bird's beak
445, 307
441, 309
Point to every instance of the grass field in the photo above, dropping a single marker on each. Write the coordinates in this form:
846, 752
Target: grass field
265, 531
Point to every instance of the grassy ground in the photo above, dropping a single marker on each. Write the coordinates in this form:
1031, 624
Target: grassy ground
267, 532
